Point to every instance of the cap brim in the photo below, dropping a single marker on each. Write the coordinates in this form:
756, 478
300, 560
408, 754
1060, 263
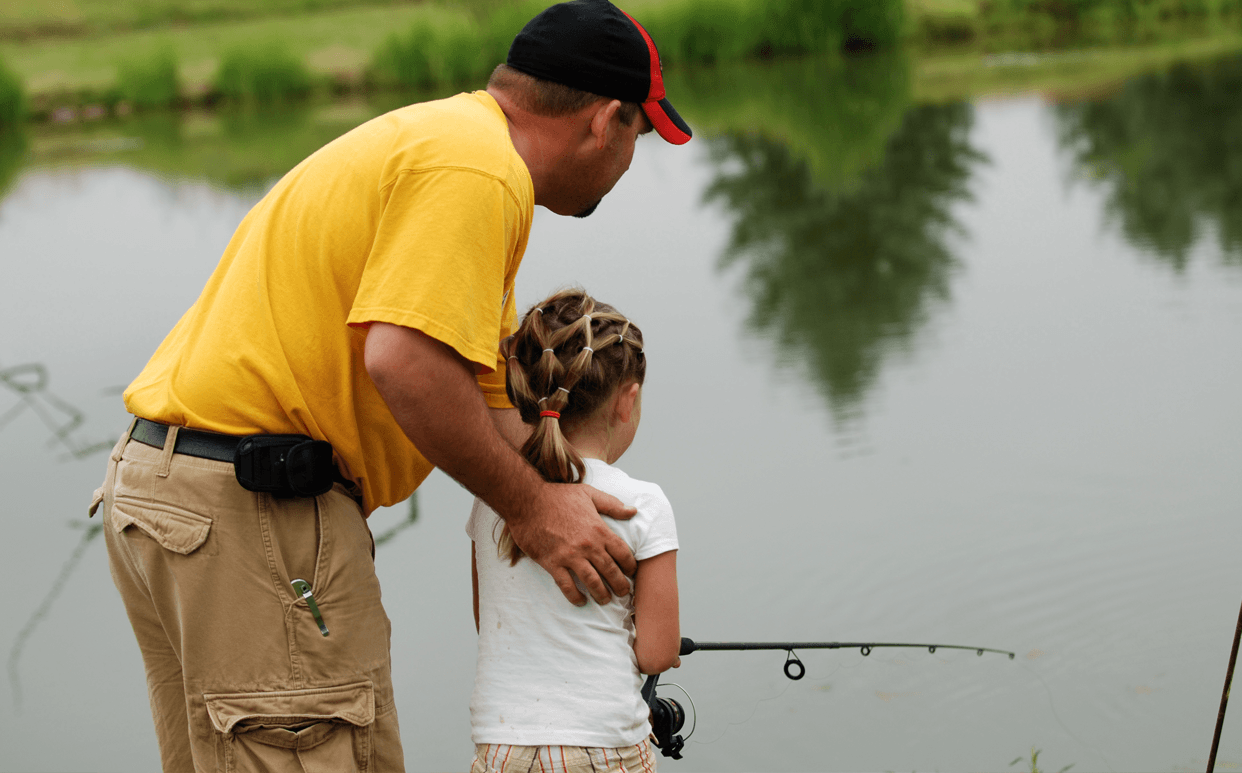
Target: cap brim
668, 124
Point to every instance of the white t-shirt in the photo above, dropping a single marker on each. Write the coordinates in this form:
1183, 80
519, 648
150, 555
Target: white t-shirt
550, 673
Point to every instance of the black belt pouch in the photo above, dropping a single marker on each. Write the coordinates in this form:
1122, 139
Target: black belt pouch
284, 465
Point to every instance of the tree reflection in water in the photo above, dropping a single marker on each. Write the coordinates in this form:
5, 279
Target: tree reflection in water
843, 275
1168, 149
12, 158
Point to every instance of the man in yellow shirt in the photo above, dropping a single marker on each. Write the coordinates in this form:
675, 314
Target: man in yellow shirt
346, 344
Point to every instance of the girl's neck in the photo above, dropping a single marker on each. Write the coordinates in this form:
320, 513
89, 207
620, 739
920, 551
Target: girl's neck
593, 440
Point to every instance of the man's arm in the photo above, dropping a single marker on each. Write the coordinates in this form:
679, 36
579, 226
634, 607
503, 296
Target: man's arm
432, 394
510, 426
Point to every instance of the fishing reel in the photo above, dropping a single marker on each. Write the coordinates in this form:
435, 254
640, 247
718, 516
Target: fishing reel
667, 717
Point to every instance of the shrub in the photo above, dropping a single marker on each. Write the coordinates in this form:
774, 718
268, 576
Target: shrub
262, 73
499, 24
706, 31
12, 98
150, 82
432, 52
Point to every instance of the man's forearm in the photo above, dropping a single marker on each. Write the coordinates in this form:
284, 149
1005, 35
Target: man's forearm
435, 399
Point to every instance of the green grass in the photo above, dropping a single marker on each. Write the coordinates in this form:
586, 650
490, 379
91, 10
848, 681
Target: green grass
1067, 74
31, 19
999, 25
335, 44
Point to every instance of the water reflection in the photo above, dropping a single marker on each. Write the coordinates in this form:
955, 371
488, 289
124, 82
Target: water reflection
28, 384
240, 150
13, 145
836, 115
1168, 148
842, 275
90, 533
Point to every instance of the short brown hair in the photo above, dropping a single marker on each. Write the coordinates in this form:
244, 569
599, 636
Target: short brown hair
548, 98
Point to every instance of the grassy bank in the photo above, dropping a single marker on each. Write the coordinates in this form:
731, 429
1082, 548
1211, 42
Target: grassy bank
1041, 25
126, 56
416, 45
39, 19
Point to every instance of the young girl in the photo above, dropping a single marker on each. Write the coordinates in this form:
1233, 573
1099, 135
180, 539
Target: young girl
557, 686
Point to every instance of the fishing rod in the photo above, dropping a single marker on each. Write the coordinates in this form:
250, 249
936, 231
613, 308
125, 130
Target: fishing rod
668, 716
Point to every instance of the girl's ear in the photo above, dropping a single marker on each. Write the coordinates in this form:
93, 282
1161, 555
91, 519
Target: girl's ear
623, 403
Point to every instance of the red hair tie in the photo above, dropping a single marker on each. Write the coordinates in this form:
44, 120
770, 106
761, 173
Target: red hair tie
550, 414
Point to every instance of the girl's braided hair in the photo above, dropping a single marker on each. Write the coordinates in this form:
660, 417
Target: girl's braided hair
569, 355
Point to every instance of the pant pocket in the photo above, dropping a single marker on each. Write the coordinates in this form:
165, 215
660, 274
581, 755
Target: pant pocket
179, 530
319, 730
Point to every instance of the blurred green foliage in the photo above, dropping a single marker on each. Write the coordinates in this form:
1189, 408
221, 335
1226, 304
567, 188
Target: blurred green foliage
150, 82
843, 275
262, 73
29, 19
13, 156
12, 99
1167, 149
1041, 24
708, 31
438, 50
433, 51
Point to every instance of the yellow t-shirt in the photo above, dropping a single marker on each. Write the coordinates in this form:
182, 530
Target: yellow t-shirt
417, 218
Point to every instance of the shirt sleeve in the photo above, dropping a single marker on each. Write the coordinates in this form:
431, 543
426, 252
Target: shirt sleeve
476, 517
660, 534
493, 384
439, 259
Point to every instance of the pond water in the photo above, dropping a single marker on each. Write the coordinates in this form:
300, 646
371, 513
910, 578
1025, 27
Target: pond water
954, 373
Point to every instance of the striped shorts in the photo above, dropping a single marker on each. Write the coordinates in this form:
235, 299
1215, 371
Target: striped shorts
502, 758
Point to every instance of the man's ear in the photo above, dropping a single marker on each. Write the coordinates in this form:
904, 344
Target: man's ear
601, 122
623, 402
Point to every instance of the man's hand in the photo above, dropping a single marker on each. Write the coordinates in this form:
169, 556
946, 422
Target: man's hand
554, 533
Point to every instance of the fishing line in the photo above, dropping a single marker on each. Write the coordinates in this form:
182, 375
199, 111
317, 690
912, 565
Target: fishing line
755, 707
753, 710
1053, 707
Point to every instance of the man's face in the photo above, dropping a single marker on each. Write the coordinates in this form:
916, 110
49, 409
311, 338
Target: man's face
603, 172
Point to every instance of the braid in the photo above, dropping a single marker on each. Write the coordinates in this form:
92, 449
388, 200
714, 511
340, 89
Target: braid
568, 357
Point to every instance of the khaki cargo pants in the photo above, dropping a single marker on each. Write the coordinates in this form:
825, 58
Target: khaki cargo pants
240, 677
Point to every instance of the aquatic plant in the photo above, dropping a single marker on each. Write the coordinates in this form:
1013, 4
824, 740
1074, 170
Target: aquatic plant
261, 73
12, 98
1034, 760
151, 81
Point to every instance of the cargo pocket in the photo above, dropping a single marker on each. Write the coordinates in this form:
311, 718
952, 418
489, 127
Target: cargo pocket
320, 730
178, 530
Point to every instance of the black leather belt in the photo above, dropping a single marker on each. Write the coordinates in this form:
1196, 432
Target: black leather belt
204, 445
191, 442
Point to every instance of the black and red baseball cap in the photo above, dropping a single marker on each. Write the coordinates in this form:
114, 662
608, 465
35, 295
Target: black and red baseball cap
594, 46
